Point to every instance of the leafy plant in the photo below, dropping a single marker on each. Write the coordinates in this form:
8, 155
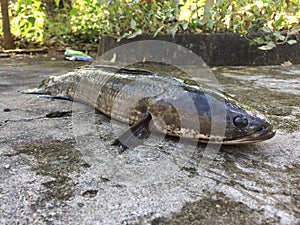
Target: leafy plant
77, 21
57, 32
124, 19
277, 21
86, 20
28, 21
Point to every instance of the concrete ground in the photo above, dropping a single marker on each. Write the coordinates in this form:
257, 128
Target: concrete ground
57, 166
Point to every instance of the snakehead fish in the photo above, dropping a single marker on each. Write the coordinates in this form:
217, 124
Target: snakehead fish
143, 98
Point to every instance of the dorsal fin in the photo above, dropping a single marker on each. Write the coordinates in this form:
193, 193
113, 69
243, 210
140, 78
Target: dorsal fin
135, 71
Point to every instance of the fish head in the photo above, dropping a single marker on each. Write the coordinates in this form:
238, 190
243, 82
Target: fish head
245, 125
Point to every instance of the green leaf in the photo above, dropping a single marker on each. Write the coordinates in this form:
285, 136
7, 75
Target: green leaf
294, 31
158, 30
174, 29
279, 35
185, 25
57, 2
133, 24
73, 12
244, 33
31, 20
267, 30
265, 47
291, 42
211, 24
268, 46
279, 22
272, 44
259, 40
133, 35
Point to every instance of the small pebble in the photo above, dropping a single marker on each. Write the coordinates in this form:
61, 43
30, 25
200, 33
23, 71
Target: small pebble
6, 166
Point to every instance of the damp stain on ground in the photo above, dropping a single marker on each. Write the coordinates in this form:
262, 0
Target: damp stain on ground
54, 159
218, 209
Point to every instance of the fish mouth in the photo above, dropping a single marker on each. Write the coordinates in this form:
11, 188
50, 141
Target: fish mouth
263, 134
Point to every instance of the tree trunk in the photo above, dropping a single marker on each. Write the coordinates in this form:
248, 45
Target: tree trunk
8, 40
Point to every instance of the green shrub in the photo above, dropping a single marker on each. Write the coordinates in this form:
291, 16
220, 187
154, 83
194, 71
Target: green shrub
127, 19
28, 22
84, 21
277, 20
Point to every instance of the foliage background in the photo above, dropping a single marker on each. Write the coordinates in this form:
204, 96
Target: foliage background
67, 22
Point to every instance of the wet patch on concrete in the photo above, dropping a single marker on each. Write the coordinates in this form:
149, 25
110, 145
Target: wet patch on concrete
218, 209
90, 193
54, 159
57, 114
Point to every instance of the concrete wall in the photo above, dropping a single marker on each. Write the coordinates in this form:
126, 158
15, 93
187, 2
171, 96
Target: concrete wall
219, 49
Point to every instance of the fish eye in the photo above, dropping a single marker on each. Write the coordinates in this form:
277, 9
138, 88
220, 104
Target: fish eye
240, 121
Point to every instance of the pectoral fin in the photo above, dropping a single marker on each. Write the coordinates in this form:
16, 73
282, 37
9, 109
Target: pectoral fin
135, 135
58, 96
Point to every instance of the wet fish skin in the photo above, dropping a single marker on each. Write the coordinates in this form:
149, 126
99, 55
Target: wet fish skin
177, 109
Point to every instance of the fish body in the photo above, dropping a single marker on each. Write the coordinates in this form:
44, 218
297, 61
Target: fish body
177, 109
